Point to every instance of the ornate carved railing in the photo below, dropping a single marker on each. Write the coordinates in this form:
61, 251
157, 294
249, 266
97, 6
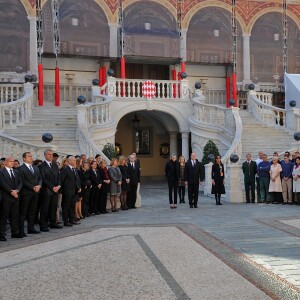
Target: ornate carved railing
236, 146
11, 92
265, 98
68, 92
88, 116
215, 96
18, 111
265, 113
133, 88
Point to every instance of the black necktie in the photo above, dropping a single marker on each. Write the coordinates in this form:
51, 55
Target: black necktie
50, 164
12, 176
74, 170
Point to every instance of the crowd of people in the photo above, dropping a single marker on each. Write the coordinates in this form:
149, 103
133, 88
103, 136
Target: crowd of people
78, 187
276, 181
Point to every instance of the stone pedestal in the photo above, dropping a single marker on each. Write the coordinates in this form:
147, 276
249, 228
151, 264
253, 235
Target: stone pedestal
207, 187
233, 186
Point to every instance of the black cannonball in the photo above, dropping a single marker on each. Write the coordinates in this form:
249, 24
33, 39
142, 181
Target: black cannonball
183, 75
198, 85
210, 157
81, 99
297, 136
251, 86
28, 78
47, 137
19, 69
95, 82
110, 72
234, 158
231, 102
293, 103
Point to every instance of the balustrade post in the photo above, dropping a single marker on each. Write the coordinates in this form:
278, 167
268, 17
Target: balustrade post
111, 86
184, 89
207, 186
234, 191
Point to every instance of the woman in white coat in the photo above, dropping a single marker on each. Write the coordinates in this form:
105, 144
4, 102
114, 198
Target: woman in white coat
296, 180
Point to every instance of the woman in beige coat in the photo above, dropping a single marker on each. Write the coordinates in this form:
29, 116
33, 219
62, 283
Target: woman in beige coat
296, 180
275, 186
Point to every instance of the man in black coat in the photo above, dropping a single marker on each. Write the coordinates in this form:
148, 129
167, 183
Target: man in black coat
172, 174
134, 179
49, 192
10, 187
192, 176
249, 168
32, 183
71, 186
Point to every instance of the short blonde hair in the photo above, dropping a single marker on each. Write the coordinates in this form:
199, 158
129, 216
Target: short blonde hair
113, 160
121, 159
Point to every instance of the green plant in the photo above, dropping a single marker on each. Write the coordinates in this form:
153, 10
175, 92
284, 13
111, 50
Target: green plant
209, 148
109, 151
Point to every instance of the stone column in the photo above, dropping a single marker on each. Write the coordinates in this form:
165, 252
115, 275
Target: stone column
207, 186
33, 59
233, 185
113, 39
183, 34
173, 142
185, 144
246, 58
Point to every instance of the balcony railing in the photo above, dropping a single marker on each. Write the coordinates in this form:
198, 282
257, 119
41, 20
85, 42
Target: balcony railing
11, 92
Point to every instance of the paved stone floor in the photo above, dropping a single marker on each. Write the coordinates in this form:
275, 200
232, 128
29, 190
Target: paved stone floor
234, 251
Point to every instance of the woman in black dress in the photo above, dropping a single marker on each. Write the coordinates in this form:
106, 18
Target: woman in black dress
217, 176
86, 186
125, 181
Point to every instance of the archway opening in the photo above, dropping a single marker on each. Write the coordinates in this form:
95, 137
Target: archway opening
267, 48
153, 135
209, 43
14, 36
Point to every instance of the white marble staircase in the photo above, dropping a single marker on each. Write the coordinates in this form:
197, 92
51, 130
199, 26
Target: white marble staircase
61, 122
257, 136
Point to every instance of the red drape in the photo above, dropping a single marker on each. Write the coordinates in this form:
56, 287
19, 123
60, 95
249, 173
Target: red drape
234, 90
227, 91
41, 85
57, 87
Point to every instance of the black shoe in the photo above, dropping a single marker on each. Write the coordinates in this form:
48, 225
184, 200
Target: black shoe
191, 206
44, 229
75, 223
97, 213
23, 234
195, 206
56, 226
17, 236
68, 224
33, 231
222, 204
3, 239
133, 207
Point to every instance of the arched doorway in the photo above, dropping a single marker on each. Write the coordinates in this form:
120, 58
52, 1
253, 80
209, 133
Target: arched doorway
153, 135
14, 36
151, 40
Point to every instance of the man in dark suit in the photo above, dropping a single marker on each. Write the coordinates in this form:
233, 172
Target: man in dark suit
70, 183
249, 168
172, 174
134, 179
192, 176
32, 183
10, 186
49, 192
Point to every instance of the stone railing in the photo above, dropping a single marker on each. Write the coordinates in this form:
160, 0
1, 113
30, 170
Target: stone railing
270, 87
265, 98
236, 146
133, 88
265, 113
88, 116
215, 96
68, 92
19, 111
10, 92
